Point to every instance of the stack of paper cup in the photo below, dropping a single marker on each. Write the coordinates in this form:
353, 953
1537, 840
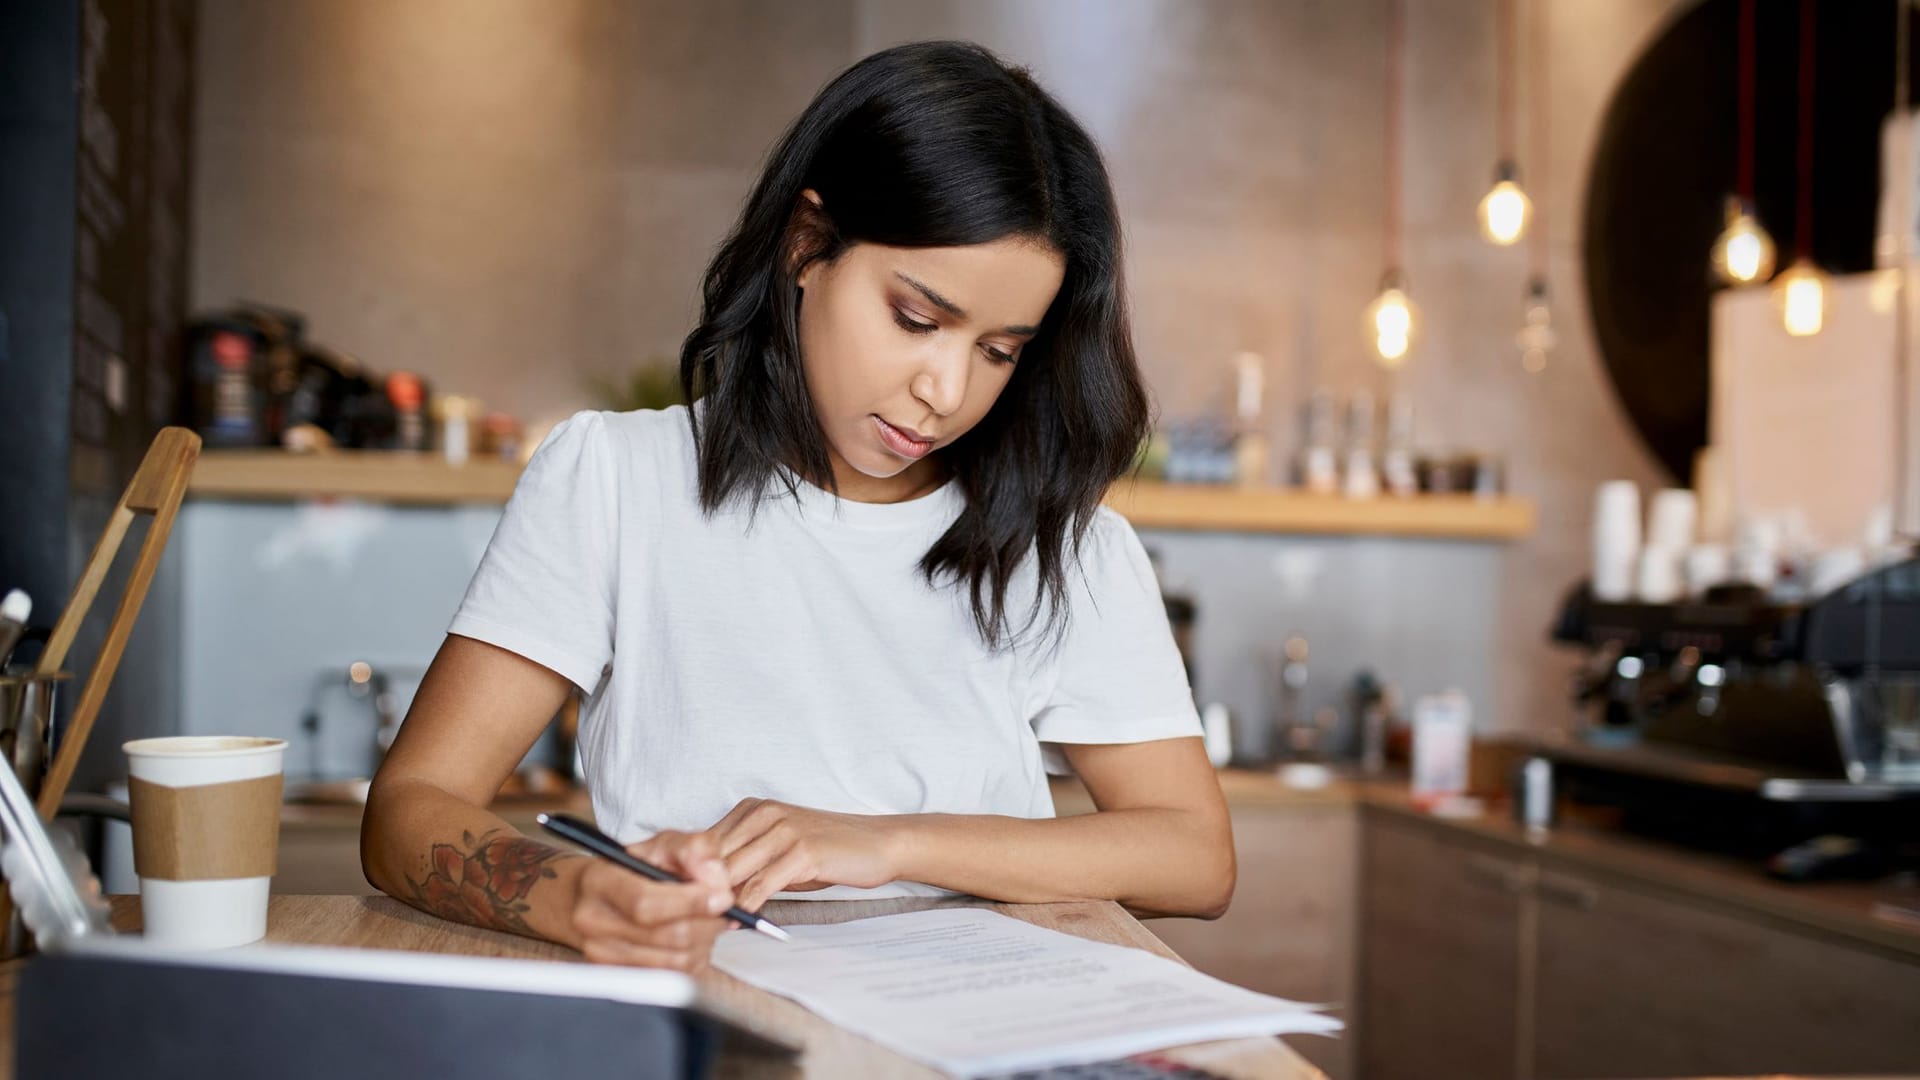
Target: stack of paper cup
206, 834
1756, 552
1670, 527
1670, 522
1616, 540
1657, 580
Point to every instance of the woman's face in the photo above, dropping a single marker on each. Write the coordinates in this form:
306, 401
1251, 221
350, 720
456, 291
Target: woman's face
905, 349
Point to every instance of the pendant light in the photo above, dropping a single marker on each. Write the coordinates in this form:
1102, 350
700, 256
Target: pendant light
1505, 209
1391, 319
1536, 337
1743, 253
1802, 291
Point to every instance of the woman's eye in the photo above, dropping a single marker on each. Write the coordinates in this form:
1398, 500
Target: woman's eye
911, 325
997, 356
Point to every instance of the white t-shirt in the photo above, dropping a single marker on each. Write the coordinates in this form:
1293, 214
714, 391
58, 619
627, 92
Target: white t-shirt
800, 655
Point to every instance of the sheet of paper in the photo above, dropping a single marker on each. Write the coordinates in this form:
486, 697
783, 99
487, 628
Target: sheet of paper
971, 991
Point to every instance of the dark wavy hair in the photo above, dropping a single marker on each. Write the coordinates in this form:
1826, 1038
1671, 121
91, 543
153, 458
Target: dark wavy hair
933, 144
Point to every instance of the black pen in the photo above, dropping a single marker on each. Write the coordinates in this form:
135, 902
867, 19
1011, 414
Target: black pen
572, 828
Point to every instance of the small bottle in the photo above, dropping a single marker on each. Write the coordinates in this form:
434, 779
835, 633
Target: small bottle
1535, 806
456, 437
1396, 461
1250, 449
408, 396
1360, 480
227, 396
1319, 466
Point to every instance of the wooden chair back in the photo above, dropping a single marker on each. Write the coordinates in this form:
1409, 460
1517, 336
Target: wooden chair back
155, 491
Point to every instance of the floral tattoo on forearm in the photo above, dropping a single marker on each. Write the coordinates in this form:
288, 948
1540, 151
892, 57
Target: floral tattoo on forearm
485, 884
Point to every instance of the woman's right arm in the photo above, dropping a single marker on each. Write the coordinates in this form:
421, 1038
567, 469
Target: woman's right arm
429, 840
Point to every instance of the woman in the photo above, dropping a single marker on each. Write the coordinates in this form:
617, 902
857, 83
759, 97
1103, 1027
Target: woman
836, 622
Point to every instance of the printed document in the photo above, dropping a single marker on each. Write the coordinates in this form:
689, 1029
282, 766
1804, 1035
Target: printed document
970, 991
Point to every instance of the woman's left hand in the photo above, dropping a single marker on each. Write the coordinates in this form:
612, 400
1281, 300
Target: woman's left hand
771, 847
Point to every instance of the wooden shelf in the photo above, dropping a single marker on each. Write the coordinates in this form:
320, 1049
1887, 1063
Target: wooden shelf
1211, 508
426, 479
379, 476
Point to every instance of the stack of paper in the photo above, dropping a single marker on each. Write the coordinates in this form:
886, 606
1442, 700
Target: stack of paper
971, 991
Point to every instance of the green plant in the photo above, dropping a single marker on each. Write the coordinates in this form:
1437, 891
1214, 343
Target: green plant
655, 384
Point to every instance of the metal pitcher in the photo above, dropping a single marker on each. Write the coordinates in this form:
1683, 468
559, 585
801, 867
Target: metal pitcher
26, 721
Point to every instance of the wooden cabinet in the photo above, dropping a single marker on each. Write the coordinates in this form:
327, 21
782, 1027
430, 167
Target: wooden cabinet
1440, 955
1290, 931
1484, 959
1632, 983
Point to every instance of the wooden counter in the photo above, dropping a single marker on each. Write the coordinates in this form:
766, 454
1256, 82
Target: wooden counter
426, 479
1211, 508
378, 476
1842, 908
830, 1052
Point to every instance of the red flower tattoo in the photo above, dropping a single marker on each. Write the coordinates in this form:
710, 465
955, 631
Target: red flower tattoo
486, 885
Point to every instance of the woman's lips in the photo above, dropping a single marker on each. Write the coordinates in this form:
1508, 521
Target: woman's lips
902, 443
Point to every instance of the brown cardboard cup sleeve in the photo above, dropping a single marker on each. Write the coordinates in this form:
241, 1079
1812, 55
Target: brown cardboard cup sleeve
208, 832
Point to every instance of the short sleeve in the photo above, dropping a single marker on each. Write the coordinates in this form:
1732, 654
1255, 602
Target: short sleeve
545, 587
1118, 675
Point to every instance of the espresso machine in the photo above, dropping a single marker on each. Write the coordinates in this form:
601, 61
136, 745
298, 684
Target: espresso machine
1740, 724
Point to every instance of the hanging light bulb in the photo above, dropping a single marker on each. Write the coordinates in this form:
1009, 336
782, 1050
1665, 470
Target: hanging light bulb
1392, 318
1505, 209
1744, 252
1802, 295
1801, 291
1537, 339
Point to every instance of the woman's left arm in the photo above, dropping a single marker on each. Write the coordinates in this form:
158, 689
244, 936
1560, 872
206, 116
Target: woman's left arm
1159, 841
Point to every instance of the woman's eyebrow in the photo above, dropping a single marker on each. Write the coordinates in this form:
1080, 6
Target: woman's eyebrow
954, 309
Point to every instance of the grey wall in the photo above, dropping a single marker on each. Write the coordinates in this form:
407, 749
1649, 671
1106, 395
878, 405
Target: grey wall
334, 583
1416, 614
511, 197
95, 107
39, 129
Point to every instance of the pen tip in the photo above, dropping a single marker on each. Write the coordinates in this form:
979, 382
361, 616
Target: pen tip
772, 931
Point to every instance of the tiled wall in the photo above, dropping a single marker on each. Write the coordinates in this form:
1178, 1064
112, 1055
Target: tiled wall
511, 197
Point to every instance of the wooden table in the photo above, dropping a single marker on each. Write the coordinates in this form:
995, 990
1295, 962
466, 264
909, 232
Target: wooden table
830, 1052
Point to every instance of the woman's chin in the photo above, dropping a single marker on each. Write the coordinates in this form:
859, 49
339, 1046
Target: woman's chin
875, 462
880, 466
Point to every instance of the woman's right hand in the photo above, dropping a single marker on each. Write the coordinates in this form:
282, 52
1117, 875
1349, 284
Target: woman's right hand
620, 917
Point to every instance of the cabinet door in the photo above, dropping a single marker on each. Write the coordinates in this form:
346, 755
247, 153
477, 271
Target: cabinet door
1439, 955
1290, 930
1635, 984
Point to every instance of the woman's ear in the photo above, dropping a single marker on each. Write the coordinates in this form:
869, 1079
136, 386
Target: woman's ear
810, 234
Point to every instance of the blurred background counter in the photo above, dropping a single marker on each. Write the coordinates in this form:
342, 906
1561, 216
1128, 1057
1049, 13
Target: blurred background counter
314, 588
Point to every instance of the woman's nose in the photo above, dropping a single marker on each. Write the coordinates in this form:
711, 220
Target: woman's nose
942, 384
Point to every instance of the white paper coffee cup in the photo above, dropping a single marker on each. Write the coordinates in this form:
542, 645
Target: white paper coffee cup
1616, 540
1671, 521
206, 833
1657, 580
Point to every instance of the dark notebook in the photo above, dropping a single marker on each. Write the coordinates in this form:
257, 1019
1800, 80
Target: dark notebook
339, 1014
